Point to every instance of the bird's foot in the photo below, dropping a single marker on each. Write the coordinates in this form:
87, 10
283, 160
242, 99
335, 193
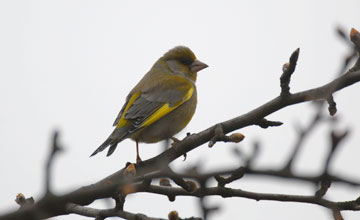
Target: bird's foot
138, 159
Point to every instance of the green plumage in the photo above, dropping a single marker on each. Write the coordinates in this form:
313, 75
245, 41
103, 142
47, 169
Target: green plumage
167, 89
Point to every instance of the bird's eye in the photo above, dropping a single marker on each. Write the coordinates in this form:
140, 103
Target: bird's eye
186, 61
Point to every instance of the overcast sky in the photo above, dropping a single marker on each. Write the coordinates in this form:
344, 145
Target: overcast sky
69, 65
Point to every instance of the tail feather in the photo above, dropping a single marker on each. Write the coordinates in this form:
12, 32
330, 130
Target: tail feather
111, 149
116, 137
102, 147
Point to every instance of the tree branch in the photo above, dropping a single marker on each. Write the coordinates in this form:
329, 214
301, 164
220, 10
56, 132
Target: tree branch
108, 187
55, 148
226, 192
72, 208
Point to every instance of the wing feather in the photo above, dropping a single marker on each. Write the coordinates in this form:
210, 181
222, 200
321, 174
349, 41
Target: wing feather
146, 107
129, 101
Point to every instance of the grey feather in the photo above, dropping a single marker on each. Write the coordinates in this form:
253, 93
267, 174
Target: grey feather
111, 149
142, 108
102, 147
118, 135
171, 96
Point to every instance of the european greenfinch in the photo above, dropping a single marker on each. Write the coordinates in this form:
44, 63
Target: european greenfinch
161, 104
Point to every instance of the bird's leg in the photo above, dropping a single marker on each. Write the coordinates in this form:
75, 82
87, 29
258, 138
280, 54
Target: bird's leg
175, 140
138, 159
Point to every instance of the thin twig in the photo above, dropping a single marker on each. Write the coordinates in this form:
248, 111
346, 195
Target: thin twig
288, 70
55, 148
104, 213
336, 138
226, 192
264, 123
302, 135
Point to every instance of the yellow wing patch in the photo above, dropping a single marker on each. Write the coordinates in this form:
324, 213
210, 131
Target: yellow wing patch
166, 109
123, 121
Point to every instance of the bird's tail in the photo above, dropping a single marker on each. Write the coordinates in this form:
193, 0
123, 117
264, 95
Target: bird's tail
103, 146
116, 137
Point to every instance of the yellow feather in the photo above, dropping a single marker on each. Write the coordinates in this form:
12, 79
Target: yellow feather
123, 121
166, 109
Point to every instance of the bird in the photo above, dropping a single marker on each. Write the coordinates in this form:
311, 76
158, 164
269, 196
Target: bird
161, 104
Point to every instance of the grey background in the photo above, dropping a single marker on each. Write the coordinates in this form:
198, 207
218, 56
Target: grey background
70, 64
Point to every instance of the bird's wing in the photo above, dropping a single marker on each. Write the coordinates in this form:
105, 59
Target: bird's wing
129, 101
146, 107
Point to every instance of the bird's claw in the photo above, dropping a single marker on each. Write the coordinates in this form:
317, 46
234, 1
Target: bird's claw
138, 159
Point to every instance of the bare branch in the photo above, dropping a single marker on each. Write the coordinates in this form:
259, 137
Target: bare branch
138, 178
263, 123
355, 38
288, 70
226, 192
24, 202
352, 55
336, 138
219, 136
235, 175
324, 186
303, 134
332, 105
55, 148
91, 212
337, 214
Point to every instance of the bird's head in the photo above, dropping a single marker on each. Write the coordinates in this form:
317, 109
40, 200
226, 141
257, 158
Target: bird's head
182, 61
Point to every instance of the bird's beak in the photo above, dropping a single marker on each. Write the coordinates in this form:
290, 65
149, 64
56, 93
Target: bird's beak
197, 65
